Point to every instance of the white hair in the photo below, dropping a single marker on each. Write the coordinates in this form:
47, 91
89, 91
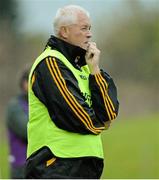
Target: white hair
67, 16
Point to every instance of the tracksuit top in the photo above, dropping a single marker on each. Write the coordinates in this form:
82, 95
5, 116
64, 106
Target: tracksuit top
74, 130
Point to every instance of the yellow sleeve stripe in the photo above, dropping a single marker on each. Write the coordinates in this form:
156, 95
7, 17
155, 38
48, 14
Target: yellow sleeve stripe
64, 91
110, 104
107, 94
109, 110
96, 78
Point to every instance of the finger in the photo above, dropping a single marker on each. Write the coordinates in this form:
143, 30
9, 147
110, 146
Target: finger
92, 49
91, 44
89, 54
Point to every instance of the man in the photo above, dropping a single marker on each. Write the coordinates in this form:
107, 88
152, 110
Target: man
71, 102
17, 118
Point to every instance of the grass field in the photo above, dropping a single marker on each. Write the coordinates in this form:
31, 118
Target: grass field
4, 166
131, 149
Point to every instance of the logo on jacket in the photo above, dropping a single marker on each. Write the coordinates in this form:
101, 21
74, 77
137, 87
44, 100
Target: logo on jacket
83, 77
87, 98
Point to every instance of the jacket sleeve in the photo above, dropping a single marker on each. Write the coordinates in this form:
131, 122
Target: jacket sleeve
104, 96
56, 87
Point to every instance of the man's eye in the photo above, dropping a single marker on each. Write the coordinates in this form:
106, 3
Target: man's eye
84, 28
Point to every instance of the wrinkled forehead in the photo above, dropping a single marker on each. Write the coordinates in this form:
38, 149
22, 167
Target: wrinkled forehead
83, 19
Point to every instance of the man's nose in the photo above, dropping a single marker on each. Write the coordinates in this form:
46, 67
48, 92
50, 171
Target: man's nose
89, 34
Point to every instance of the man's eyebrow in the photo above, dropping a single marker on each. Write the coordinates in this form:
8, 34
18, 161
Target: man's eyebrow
86, 25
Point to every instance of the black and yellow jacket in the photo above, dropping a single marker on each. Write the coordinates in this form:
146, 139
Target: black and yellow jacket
46, 90
64, 105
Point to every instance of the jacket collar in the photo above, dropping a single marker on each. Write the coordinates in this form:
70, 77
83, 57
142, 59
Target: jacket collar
74, 54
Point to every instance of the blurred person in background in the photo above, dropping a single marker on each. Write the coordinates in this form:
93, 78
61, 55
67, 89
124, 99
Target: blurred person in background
71, 102
16, 119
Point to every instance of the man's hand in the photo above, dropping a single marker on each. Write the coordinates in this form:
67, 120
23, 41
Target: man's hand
92, 58
107, 124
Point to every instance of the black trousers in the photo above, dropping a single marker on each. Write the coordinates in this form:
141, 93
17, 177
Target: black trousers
51, 167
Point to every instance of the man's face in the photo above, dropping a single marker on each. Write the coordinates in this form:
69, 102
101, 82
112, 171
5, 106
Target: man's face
79, 34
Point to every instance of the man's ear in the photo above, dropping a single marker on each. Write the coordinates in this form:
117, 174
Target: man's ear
64, 31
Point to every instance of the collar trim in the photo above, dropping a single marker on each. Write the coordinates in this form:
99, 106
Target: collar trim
75, 54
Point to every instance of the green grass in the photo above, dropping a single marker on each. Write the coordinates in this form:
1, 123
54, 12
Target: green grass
131, 148
4, 165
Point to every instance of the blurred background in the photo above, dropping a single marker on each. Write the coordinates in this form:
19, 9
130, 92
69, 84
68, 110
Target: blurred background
127, 33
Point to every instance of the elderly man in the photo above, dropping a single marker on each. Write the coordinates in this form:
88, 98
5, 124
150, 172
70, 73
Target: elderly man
71, 101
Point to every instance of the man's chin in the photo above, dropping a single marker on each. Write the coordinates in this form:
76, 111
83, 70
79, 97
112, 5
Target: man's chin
85, 46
